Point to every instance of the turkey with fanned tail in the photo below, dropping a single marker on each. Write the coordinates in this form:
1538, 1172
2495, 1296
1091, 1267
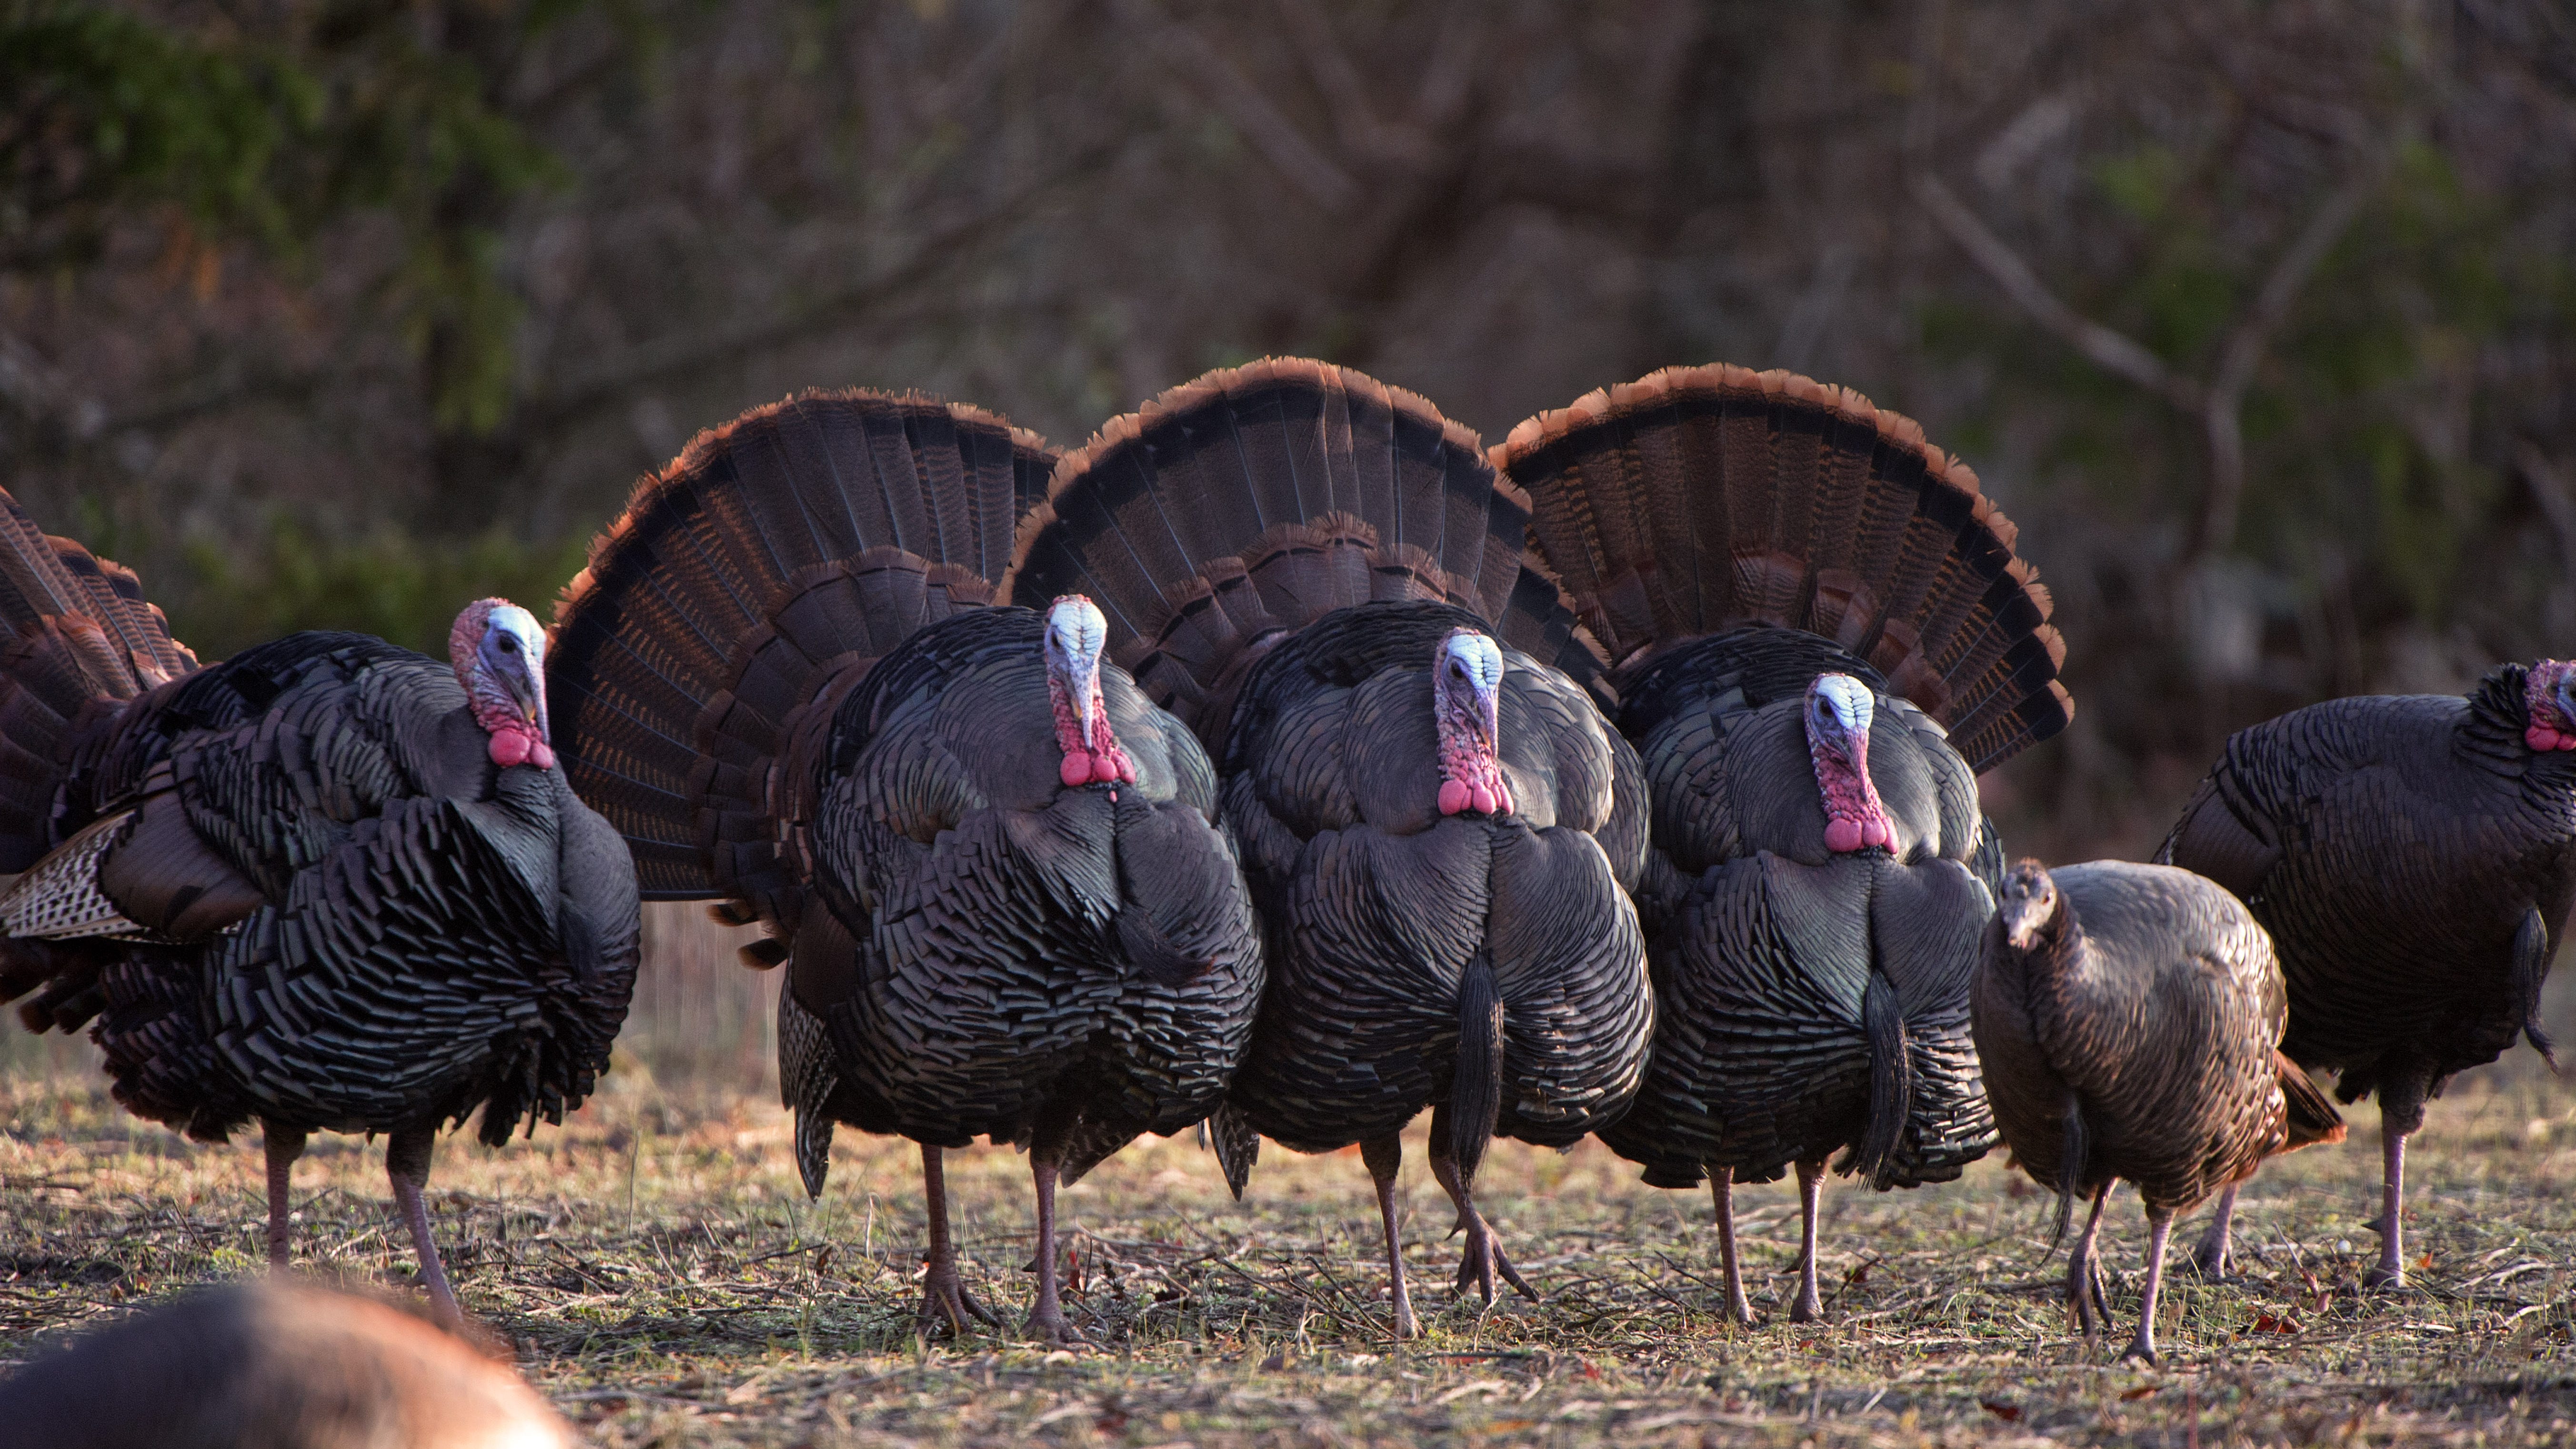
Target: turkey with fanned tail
2414, 857
1325, 579
326, 885
1818, 633
992, 867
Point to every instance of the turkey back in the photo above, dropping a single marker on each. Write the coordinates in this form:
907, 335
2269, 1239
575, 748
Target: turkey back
696, 663
1701, 498
1235, 509
82, 642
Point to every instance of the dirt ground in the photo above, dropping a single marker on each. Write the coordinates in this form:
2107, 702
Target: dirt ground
666, 1282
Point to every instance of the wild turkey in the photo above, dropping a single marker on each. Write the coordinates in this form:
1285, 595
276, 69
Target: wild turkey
2129, 1017
992, 864
327, 884
2413, 858
1798, 594
266, 1366
1324, 578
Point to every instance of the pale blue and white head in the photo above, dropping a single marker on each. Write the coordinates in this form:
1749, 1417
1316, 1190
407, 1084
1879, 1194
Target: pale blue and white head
1838, 713
1076, 632
499, 652
1466, 702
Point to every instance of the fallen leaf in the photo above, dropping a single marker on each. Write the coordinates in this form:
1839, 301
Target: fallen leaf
2266, 1323
2140, 1392
2009, 1413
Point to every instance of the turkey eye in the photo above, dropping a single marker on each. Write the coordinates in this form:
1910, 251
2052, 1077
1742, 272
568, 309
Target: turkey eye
509, 645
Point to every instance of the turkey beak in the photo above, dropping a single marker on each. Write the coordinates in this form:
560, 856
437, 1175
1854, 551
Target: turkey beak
524, 676
1082, 682
1489, 726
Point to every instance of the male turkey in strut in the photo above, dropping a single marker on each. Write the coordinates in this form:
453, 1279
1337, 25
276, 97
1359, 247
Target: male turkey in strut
993, 867
327, 884
2129, 1019
1798, 594
1325, 579
2413, 857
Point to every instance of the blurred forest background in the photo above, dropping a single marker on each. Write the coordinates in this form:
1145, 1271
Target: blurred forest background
2258, 315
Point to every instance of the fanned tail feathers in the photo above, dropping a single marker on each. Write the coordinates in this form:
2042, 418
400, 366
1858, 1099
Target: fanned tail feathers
1698, 498
744, 591
1251, 501
81, 641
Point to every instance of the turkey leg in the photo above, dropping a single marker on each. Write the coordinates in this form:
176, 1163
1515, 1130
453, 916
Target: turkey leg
2084, 1289
1046, 1164
944, 1299
1811, 1190
284, 1144
1383, 1156
2390, 1270
1738, 1307
1484, 1257
2143, 1347
2214, 1257
407, 1164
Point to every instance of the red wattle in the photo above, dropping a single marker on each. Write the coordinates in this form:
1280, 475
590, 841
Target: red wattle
2540, 737
2567, 742
1874, 832
1126, 770
1483, 800
1842, 835
509, 747
1076, 769
1503, 801
1454, 797
541, 754
1103, 769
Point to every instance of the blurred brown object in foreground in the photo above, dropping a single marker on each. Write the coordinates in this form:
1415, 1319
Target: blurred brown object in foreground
272, 1366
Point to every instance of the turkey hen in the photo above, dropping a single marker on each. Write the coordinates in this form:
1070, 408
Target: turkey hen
1818, 633
327, 884
265, 1366
1324, 578
2414, 858
992, 866
2129, 1018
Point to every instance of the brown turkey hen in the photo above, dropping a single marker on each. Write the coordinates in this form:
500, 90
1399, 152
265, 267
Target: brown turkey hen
1325, 579
327, 884
2414, 857
2129, 1017
267, 1366
992, 866
1818, 634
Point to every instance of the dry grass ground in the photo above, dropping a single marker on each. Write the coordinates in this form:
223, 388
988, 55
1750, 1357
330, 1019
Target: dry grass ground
666, 1282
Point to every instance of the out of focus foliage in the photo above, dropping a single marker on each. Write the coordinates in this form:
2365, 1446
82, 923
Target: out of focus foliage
2259, 317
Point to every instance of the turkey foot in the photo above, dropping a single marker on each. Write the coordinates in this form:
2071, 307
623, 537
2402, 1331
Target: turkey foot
2390, 1270
945, 1303
1811, 1183
2142, 1349
1484, 1257
407, 1156
1047, 1322
1383, 1156
1722, 1185
2215, 1258
2086, 1292
284, 1144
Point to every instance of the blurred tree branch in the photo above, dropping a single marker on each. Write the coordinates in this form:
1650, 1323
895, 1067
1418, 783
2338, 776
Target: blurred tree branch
2219, 403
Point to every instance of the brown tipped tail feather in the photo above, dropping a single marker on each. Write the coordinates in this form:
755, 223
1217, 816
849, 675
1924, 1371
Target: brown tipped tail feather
2313, 1120
1699, 498
745, 589
1334, 489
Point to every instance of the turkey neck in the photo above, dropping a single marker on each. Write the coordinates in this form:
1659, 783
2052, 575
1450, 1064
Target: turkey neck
2491, 738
